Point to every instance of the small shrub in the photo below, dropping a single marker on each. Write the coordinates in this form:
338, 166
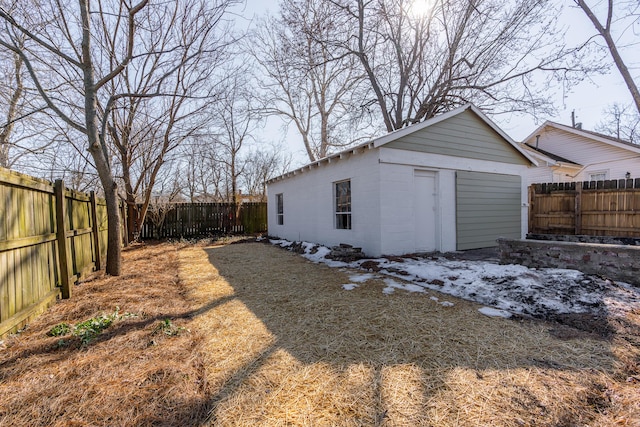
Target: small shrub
87, 330
60, 330
168, 328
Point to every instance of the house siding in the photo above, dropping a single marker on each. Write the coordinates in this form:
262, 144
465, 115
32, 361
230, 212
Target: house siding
488, 206
548, 174
542, 173
464, 135
613, 169
592, 155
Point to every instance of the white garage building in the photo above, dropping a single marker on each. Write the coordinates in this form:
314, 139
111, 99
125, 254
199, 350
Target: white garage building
453, 182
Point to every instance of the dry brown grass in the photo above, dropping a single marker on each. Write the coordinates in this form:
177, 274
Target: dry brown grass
325, 356
274, 340
129, 375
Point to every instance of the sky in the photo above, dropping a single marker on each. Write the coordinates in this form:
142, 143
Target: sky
587, 99
502, 290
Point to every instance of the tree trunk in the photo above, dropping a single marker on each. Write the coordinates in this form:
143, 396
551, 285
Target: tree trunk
605, 32
5, 135
114, 239
114, 231
134, 226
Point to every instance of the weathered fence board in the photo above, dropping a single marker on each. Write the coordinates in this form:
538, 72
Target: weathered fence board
597, 208
204, 219
47, 242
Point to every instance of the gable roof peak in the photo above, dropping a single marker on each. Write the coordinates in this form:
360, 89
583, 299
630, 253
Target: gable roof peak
595, 136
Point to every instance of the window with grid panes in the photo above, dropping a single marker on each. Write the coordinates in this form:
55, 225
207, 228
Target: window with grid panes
280, 209
343, 205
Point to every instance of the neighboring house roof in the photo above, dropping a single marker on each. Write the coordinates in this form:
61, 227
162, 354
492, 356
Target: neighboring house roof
595, 136
397, 134
551, 155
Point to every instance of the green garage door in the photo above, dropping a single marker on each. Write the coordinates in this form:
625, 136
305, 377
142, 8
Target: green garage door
488, 206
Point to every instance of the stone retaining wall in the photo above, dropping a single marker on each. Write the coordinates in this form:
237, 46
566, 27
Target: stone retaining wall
581, 238
617, 262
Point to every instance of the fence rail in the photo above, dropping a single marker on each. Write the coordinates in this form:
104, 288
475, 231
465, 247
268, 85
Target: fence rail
203, 219
50, 236
597, 208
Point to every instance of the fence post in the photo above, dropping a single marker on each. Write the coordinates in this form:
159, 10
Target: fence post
96, 229
61, 237
532, 197
578, 210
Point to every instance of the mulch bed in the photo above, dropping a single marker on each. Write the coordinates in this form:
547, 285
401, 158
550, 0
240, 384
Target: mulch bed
250, 334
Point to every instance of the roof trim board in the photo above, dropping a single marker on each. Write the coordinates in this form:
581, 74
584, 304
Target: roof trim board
549, 155
397, 134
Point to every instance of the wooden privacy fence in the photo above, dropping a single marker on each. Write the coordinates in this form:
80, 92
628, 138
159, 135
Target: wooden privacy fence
49, 237
178, 220
597, 208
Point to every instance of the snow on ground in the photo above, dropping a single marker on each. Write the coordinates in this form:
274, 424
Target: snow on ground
504, 289
494, 312
356, 279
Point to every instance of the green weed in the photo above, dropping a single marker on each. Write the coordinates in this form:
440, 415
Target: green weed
60, 330
89, 329
168, 328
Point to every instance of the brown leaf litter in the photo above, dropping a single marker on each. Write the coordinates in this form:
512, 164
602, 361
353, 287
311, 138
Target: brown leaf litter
249, 334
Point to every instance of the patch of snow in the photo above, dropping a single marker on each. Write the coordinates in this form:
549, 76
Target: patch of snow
447, 304
492, 312
349, 286
361, 278
537, 292
319, 256
410, 287
281, 243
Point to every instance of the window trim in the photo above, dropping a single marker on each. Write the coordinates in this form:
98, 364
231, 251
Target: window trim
280, 209
342, 216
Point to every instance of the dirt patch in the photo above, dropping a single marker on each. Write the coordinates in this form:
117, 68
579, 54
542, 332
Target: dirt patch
484, 254
249, 334
581, 325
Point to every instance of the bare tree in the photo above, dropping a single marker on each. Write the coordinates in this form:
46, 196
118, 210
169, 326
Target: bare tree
59, 54
14, 94
624, 14
481, 51
236, 126
202, 173
621, 121
303, 82
22, 132
187, 43
164, 201
75, 52
262, 164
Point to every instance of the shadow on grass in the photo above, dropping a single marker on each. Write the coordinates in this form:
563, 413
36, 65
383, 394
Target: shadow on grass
285, 343
404, 342
68, 343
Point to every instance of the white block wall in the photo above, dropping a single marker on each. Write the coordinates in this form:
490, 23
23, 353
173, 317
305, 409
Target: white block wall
309, 203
